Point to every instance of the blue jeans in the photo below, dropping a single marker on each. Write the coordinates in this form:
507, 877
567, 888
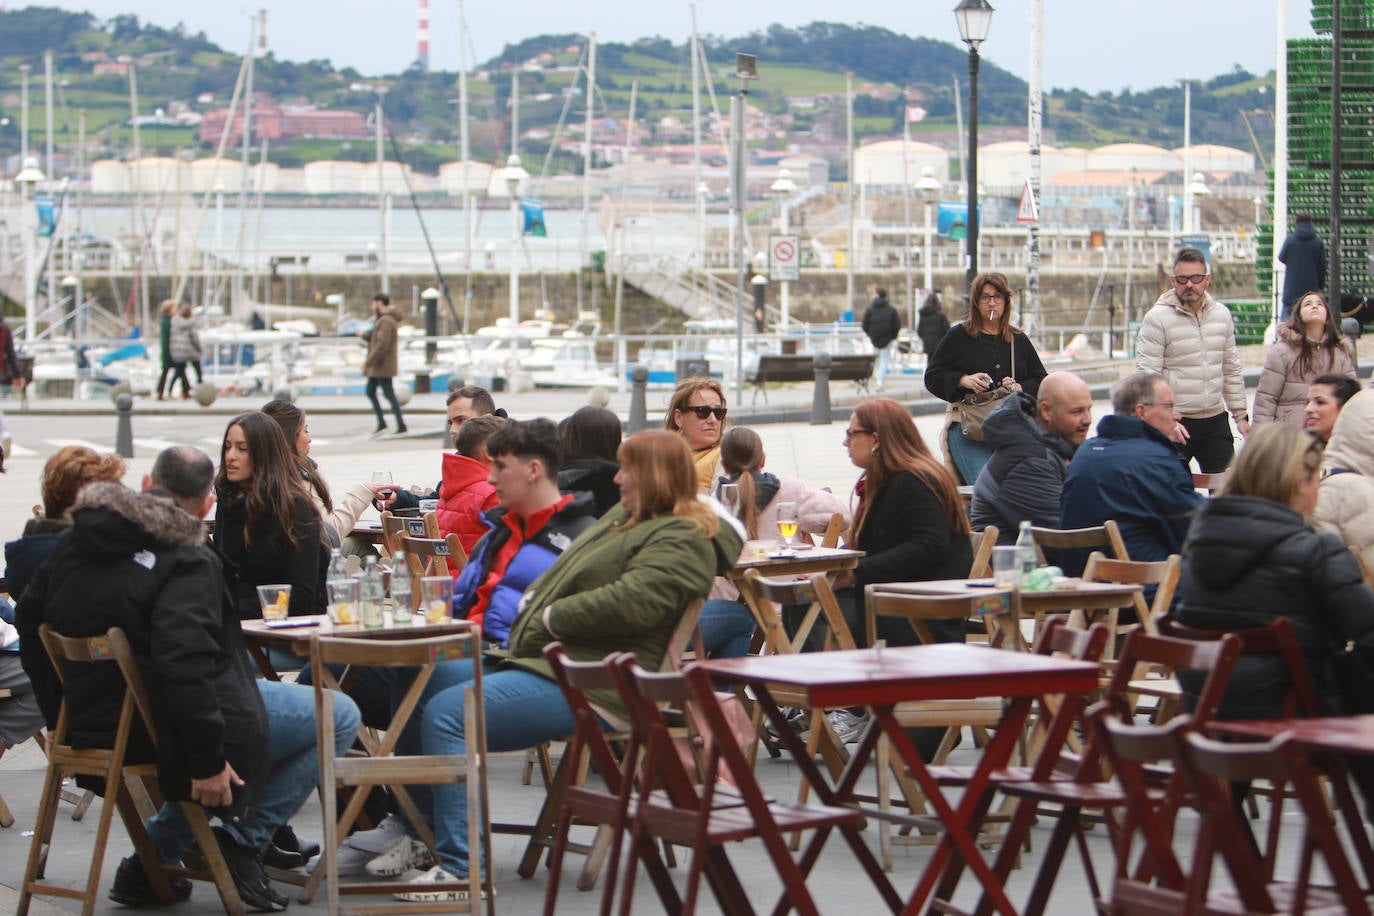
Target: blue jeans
523, 710
293, 769
968, 455
727, 627
880, 364
385, 384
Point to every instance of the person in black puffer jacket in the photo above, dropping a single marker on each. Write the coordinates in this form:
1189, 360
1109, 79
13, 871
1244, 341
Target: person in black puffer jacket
1252, 557
932, 324
588, 441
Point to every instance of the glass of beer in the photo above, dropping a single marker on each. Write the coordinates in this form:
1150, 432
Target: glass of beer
787, 522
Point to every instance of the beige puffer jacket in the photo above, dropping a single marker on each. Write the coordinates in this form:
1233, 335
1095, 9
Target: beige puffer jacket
1196, 354
1345, 502
1282, 391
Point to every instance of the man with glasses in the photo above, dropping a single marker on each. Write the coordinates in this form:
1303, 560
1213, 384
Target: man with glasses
1190, 339
1132, 472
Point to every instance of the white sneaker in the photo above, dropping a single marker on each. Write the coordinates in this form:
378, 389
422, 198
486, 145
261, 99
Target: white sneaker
436, 875
404, 854
378, 838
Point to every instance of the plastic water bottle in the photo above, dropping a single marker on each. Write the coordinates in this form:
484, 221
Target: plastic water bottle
1025, 552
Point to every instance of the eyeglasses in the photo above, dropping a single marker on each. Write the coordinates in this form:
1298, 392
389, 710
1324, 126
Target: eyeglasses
851, 433
990, 297
1185, 279
1167, 405
703, 411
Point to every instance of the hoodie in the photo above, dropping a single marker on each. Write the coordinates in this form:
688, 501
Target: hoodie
1304, 256
1249, 561
1025, 476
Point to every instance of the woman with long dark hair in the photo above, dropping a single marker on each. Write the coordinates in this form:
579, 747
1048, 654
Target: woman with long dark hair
910, 523
1308, 345
266, 527
588, 441
981, 355
339, 518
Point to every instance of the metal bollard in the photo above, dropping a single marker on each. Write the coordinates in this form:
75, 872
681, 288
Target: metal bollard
124, 425
820, 397
639, 407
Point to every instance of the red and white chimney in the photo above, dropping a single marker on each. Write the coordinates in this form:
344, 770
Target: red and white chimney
422, 35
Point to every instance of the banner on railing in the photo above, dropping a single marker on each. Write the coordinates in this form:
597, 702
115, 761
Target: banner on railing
534, 218
953, 219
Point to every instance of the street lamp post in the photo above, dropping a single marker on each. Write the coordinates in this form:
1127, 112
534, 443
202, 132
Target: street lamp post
975, 19
29, 176
784, 187
1197, 188
514, 175
381, 191
430, 298
927, 185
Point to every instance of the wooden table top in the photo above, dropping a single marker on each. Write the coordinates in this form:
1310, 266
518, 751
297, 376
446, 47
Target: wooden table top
297, 638
1079, 596
803, 560
1345, 734
945, 671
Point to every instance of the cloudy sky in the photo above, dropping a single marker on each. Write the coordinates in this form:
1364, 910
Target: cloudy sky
1089, 44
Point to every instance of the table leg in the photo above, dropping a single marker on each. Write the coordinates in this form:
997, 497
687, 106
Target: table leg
956, 822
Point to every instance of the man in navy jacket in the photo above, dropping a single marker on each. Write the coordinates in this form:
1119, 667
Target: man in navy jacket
1133, 473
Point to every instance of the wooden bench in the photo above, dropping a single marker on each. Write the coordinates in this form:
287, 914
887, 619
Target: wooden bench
775, 367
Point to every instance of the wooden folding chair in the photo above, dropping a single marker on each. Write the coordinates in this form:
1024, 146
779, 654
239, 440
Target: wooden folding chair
997, 610
110, 765
1209, 482
1089, 788
1163, 574
982, 542
384, 768
416, 526
833, 531
1212, 769
1107, 535
572, 771
687, 813
438, 556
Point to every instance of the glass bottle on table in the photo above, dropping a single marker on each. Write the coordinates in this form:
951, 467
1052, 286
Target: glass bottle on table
1026, 559
400, 589
373, 593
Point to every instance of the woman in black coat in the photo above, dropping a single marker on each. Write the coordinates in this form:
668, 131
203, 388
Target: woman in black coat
1251, 557
266, 527
983, 352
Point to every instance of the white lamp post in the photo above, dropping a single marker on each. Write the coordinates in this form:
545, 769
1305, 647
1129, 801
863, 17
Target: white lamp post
1197, 188
784, 187
928, 185
336, 300
513, 175
29, 176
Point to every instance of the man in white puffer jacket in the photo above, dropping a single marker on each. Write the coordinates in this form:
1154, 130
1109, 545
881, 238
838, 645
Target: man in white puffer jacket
1190, 339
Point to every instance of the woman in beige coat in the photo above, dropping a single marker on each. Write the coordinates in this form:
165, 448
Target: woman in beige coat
1345, 501
1309, 344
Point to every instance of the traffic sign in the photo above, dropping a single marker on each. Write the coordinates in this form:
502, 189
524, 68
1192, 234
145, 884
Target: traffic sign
1028, 212
783, 260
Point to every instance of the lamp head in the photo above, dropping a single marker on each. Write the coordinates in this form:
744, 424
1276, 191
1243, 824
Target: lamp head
928, 182
975, 20
30, 173
784, 184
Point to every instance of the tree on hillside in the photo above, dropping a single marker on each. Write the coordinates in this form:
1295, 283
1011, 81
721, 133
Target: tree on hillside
29, 31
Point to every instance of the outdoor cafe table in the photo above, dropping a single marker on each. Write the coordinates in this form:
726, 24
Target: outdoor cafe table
802, 561
1337, 737
881, 679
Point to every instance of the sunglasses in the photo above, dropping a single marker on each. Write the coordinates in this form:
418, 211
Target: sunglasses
703, 411
1185, 279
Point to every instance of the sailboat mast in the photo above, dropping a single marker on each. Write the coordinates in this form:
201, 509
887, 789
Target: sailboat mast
245, 151
463, 153
696, 138
52, 175
587, 164
139, 229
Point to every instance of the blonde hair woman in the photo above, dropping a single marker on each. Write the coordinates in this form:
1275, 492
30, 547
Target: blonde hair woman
1252, 556
697, 412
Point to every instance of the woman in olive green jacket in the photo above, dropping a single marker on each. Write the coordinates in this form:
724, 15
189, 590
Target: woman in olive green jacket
620, 587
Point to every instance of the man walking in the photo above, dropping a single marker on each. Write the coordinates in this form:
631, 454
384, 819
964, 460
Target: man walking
380, 367
243, 748
881, 323
1189, 338
1304, 255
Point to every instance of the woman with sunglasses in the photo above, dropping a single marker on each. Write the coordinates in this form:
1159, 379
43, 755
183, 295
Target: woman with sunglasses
697, 413
1309, 344
982, 354
1252, 556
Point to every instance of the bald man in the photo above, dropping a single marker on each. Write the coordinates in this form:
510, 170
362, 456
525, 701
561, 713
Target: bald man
1032, 439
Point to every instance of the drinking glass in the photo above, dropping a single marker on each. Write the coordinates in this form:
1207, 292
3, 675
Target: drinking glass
729, 497
383, 477
276, 601
1006, 566
344, 597
787, 522
436, 592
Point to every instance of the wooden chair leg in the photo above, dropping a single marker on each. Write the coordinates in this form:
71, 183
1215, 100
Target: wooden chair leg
209, 848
